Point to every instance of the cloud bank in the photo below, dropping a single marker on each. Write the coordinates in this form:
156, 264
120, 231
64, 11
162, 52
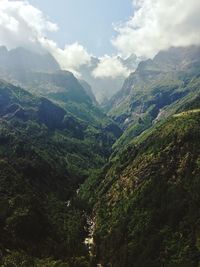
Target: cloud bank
70, 58
157, 25
21, 24
110, 67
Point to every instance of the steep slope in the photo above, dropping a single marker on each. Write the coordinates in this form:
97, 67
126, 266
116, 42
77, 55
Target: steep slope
105, 87
88, 89
146, 202
40, 74
45, 154
150, 92
63, 88
21, 59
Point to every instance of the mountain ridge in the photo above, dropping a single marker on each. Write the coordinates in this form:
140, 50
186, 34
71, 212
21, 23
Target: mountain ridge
151, 91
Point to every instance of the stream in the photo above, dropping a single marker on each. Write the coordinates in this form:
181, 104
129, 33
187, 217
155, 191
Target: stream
89, 240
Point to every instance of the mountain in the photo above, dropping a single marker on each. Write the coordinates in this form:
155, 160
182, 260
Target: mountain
59, 86
144, 204
45, 154
22, 59
146, 200
105, 88
64, 89
19, 65
88, 89
157, 85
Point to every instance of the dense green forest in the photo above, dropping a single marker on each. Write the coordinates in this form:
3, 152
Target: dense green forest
147, 199
46, 153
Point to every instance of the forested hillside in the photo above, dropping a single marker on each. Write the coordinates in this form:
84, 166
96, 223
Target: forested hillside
144, 205
45, 154
146, 201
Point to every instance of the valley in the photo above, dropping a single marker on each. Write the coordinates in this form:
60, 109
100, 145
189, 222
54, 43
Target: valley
85, 185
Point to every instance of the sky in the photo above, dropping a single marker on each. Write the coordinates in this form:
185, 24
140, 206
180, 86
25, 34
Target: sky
74, 31
89, 22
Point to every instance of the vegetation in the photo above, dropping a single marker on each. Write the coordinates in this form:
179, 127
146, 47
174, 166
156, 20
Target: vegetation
145, 202
67, 175
147, 207
155, 91
45, 154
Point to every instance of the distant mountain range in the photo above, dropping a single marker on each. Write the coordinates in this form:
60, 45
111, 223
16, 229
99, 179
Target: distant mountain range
105, 88
14, 63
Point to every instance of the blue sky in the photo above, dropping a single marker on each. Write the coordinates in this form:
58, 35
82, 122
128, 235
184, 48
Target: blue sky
88, 22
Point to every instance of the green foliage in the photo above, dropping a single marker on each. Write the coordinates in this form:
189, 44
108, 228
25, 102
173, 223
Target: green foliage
145, 201
45, 154
147, 205
155, 91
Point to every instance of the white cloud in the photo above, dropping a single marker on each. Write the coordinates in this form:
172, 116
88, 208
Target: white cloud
70, 58
21, 24
110, 67
154, 26
157, 25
